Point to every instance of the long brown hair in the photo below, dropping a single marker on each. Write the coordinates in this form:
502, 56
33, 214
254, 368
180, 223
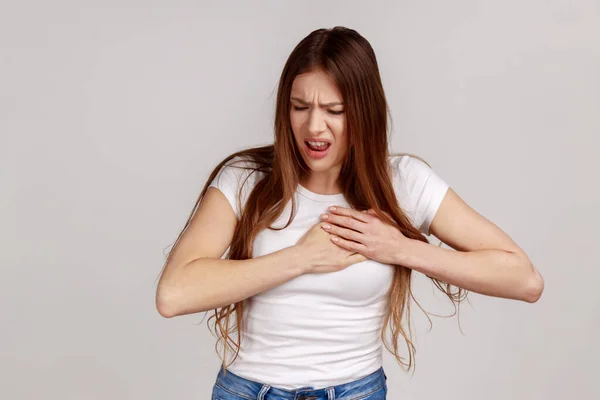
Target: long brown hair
365, 175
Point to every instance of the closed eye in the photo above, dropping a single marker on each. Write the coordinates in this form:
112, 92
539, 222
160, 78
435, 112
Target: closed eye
296, 108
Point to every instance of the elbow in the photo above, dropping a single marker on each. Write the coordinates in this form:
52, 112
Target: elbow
165, 304
165, 310
534, 287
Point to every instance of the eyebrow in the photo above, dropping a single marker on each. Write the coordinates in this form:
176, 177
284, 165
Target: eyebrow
306, 103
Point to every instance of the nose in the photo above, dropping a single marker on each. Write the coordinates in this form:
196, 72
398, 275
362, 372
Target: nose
316, 122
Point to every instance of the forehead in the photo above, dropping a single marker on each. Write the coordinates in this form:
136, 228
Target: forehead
315, 84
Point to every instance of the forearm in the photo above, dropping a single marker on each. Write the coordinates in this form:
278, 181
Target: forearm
490, 272
209, 283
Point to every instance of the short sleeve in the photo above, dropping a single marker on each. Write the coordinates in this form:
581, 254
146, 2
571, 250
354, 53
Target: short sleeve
419, 189
231, 177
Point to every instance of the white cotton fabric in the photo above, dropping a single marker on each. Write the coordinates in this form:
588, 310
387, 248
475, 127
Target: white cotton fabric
322, 330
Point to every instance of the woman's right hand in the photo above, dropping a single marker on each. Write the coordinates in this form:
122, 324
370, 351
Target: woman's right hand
322, 255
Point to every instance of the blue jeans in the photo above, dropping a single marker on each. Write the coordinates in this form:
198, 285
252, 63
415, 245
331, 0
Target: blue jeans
232, 387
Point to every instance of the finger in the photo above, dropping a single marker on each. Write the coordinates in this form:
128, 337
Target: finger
348, 244
349, 212
373, 213
346, 222
343, 232
353, 259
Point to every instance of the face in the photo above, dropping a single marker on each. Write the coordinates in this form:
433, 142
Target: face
318, 121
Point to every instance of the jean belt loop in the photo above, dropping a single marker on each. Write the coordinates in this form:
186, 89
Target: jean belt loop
263, 391
330, 393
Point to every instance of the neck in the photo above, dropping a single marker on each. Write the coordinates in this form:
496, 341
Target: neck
322, 183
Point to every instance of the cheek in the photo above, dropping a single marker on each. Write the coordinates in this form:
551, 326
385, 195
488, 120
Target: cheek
294, 123
339, 130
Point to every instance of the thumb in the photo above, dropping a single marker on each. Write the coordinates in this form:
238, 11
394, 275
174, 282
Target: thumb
354, 258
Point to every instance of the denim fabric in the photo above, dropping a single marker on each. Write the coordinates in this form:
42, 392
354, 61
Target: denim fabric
232, 387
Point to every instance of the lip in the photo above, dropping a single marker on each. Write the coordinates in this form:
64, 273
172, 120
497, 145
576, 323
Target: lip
315, 155
318, 140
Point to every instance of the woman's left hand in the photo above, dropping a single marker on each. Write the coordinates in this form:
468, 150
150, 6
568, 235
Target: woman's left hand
365, 233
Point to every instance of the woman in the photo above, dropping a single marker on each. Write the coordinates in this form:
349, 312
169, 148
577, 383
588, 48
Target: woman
309, 289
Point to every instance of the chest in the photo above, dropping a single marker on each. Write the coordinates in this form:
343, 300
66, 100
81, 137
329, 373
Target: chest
360, 284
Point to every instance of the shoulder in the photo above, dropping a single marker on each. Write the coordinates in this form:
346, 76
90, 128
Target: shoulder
236, 179
408, 167
419, 189
239, 170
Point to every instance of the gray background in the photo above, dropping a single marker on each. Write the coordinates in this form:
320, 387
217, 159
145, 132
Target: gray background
113, 113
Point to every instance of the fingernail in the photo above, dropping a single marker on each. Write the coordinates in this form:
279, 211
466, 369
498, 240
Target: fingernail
324, 216
326, 226
332, 208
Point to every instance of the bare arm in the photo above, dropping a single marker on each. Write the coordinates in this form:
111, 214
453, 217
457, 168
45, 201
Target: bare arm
196, 279
486, 260
209, 283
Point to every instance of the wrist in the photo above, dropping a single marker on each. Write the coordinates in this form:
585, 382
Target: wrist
406, 252
299, 263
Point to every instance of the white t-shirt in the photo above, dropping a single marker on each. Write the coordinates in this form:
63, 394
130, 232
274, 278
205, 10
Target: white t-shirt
322, 330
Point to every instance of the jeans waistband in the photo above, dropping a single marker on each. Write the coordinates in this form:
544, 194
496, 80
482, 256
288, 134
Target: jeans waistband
253, 390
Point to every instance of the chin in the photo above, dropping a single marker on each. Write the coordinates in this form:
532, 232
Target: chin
319, 165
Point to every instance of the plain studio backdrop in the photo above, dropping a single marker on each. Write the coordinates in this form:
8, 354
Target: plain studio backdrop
113, 113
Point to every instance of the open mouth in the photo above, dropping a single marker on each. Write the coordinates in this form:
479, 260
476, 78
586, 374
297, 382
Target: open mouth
317, 145
317, 148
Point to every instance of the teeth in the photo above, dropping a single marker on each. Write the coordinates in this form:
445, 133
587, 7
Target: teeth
318, 144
